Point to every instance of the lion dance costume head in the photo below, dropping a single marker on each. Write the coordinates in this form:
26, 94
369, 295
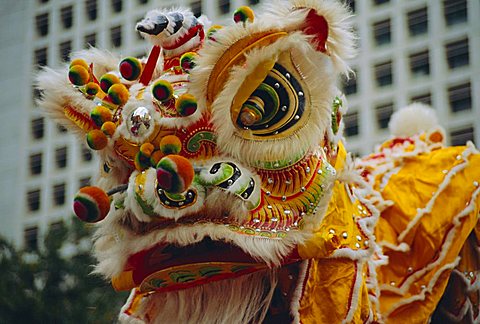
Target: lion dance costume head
225, 194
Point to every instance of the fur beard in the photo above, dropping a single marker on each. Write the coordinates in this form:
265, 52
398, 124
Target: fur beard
242, 300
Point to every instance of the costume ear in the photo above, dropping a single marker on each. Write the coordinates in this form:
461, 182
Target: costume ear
317, 27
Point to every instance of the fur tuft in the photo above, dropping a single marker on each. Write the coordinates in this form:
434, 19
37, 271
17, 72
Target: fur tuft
413, 119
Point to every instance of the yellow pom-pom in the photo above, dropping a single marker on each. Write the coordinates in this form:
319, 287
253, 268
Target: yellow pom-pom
107, 80
162, 90
96, 139
147, 149
92, 88
108, 128
156, 157
244, 14
78, 75
186, 104
100, 115
170, 144
80, 62
119, 94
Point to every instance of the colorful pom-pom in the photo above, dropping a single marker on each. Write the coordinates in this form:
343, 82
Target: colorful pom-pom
78, 75
244, 14
147, 149
187, 61
141, 161
186, 104
100, 115
156, 157
174, 173
108, 128
96, 139
107, 80
92, 88
162, 90
91, 204
130, 68
212, 30
118, 94
81, 62
170, 144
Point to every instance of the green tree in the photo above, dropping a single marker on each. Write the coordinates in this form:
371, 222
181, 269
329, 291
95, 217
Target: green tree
55, 284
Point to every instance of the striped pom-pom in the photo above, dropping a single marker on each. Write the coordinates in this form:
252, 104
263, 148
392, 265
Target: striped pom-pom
78, 75
243, 14
100, 115
212, 30
107, 80
118, 94
80, 62
170, 144
130, 68
162, 90
96, 139
187, 61
92, 88
108, 128
186, 104
91, 204
174, 173
142, 158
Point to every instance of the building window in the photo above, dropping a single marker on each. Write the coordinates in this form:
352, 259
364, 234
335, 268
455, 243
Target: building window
379, 2
90, 40
61, 157
457, 53
196, 7
420, 64
86, 154
460, 97
381, 32
41, 21
425, 98
455, 11
36, 94
383, 113
91, 9
65, 49
351, 124
30, 236
462, 136
224, 6
142, 2
117, 5
67, 17
83, 182
37, 128
383, 74
350, 85
33, 200
61, 129
59, 194
254, 2
350, 4
41, 57
418, 22
36, 164
116, 36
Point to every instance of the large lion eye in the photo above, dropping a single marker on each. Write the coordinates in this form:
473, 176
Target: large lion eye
139, 121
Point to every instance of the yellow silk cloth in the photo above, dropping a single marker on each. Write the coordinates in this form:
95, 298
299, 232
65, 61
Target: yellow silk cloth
435, 209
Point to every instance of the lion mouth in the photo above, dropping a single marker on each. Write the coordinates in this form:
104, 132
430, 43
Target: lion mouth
167, 267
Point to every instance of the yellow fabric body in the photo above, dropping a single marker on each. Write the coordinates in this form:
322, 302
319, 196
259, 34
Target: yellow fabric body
434, 227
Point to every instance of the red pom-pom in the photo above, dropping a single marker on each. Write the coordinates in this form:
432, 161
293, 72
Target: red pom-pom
91, 204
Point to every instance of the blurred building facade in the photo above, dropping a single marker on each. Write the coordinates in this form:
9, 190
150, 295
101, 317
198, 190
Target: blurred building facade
416, 50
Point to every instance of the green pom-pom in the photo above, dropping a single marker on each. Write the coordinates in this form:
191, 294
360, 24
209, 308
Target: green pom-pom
243, 14
78, 75
186, 104
91, 204
162, 90
174, 173
107, 80
118, 94
130, 68
187, 61
170, 144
